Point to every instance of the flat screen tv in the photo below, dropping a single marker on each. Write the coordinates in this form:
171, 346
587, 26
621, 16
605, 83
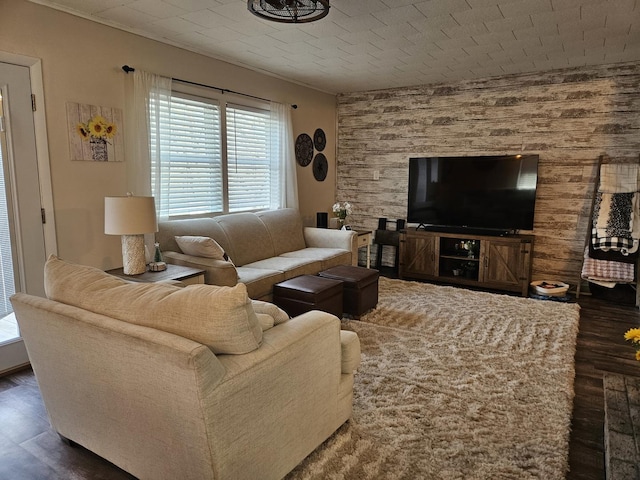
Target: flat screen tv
496, 194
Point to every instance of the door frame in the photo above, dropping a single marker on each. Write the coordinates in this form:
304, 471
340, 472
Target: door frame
42, 145
15, 350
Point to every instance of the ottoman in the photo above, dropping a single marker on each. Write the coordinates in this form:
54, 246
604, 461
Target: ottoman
360, 292
309, 292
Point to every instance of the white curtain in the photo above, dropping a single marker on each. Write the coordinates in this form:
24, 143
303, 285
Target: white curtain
282, 149
149, 135
148, 115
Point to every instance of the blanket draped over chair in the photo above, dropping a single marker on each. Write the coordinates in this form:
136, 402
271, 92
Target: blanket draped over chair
612, 252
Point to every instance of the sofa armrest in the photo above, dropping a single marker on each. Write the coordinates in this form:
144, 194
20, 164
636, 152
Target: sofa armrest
216, 272
330, 238
350, 351
300, 335
278, 402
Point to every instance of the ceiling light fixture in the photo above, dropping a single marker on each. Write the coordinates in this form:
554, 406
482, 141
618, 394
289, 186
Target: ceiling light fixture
289, 11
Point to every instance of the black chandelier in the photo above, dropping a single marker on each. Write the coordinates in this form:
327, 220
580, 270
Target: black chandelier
289, 11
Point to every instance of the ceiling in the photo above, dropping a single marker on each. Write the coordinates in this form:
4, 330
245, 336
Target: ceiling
374, 44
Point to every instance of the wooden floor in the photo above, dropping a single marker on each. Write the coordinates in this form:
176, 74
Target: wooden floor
601, 348
30, 449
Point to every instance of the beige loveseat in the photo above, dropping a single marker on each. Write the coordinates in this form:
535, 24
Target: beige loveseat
185, 383
265, 248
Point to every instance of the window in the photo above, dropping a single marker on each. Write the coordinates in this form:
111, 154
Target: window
252, 177
213, 157
189, 178
7, 283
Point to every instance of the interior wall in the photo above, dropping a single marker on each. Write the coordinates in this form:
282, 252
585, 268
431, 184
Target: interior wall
569, 118
81, 62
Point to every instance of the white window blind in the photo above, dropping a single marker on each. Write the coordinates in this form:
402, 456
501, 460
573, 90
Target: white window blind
213, 159
7, 284
252, 171
190, 154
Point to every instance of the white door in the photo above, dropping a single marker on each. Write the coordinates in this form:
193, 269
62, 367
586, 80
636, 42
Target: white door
22, 240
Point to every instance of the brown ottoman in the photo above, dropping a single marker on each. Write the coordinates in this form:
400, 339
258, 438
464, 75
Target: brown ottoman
360, 287
309, 292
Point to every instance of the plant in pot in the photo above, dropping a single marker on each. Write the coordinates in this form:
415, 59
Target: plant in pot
341, 210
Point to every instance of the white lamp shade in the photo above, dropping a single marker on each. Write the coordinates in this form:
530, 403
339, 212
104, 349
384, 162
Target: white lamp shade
129, 215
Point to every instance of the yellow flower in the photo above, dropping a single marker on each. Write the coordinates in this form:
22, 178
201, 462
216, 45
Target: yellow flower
633, 335
97, 126
638, 355
81, 130
110, 130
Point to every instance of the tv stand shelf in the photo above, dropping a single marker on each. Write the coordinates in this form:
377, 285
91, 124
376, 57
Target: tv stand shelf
486, 261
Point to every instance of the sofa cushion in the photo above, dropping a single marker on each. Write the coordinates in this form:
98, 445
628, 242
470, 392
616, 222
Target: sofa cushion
249, 237
291, 267
259, 281
201, 247
220, 317
329, 257
202, 227
285, 227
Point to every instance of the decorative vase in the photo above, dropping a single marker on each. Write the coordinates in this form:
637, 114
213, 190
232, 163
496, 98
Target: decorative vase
98, 148
341, 223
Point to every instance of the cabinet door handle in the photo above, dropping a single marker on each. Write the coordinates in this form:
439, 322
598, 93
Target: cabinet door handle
486, 262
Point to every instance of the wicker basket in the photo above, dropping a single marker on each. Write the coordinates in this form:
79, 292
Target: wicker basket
550, 288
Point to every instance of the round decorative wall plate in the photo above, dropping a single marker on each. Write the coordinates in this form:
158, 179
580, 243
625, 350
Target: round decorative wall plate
304, 149
319, 139
320, 167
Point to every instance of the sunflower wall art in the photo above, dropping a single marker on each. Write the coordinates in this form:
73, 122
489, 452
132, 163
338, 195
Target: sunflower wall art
95, 133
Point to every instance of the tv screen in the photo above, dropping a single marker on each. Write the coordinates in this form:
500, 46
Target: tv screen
481, 192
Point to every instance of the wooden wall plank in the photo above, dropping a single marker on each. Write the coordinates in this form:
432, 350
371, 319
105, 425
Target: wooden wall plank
568, 117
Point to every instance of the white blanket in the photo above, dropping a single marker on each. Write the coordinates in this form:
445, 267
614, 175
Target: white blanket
619, 178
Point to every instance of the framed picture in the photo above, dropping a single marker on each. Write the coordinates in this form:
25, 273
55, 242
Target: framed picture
95, 133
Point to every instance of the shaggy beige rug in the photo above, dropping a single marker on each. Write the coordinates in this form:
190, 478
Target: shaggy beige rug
456, 384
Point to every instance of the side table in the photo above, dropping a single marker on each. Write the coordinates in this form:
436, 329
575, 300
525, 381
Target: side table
364, 240
186, 275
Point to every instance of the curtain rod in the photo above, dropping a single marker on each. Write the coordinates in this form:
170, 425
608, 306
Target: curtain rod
128, 69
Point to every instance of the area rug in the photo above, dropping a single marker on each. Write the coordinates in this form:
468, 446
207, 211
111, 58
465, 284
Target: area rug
456, 384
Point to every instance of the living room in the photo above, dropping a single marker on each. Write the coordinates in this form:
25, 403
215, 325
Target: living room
569, 116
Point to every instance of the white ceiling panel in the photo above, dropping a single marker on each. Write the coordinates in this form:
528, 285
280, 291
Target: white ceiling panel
373, 44
127, 16
205, 18
157, 8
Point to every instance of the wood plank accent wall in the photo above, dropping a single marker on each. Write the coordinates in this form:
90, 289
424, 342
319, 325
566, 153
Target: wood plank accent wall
568, 117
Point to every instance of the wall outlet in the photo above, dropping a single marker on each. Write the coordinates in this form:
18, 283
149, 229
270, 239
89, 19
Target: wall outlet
376, 175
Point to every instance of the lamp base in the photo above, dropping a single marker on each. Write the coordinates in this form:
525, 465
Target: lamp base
133, 258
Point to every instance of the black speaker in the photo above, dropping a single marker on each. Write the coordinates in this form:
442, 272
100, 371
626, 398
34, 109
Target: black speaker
322, 220
400, 224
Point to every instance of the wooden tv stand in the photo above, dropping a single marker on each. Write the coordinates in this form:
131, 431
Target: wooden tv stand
492, 262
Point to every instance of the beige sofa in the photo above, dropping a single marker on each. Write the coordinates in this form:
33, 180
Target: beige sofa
197, 382
265, 248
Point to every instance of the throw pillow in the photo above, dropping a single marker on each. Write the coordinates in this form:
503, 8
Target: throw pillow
274, 311
266, 321
220, 317
201, 247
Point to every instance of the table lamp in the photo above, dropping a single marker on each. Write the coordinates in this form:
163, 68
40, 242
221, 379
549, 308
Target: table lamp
131, 217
